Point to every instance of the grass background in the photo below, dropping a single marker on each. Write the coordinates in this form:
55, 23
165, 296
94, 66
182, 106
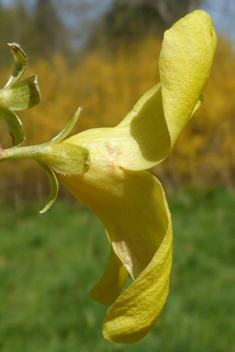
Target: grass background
49, 262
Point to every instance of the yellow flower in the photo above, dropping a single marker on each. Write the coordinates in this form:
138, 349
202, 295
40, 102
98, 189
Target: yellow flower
105, 169
129, 201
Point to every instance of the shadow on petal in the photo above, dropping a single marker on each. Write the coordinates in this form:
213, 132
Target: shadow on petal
112, 282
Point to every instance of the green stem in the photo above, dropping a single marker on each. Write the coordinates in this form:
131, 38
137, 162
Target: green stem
30, 152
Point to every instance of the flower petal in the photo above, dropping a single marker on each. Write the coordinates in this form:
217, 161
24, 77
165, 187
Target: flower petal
135, 312
111, 283
185, 62
131, 206
143, 135
134, 212
136, 223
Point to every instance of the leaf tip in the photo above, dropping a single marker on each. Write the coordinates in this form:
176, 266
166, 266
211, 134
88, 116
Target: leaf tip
18, 52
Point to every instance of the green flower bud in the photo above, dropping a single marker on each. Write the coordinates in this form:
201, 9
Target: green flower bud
18, 95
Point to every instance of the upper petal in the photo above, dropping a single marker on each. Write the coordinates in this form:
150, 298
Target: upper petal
143, 135
185, 62
147, 134
149, 131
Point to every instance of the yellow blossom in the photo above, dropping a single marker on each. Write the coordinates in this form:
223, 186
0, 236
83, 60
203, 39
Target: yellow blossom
130, 202
112, 181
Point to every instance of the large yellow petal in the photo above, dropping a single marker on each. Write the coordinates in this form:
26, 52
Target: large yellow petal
185, 62
131, 205
134, 212
111, 283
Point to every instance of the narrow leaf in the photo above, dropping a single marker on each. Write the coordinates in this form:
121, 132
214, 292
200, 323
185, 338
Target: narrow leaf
54, 187
68, 128
20, 63
13, 125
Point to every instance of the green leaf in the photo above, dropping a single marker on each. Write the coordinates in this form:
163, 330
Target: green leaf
68, 128
54, 187
13, 125
21, 95
20, 63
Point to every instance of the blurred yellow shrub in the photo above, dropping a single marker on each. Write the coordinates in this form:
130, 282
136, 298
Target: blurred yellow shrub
107, 86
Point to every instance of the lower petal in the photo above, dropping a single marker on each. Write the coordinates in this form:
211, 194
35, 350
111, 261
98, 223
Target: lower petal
132, 207
134, 313
134, 211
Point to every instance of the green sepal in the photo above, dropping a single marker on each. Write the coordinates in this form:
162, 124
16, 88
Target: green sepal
54, 187
63, 158
13, 125
20, 63
21, 95
68, 128
54, 157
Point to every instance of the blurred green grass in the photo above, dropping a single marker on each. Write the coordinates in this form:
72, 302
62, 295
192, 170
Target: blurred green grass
49, 262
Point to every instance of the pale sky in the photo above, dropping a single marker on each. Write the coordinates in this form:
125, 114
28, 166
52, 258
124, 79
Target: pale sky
221, 11
223, 15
